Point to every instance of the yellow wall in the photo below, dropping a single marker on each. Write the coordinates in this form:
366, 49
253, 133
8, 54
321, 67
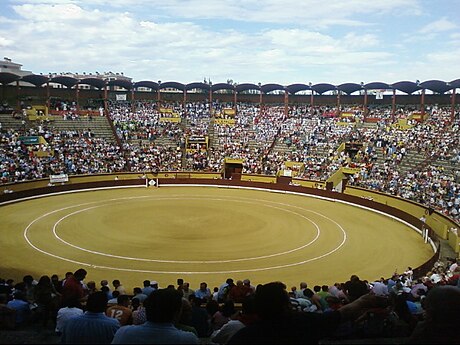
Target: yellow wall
258, 178
438, 223
454, 242
308, 183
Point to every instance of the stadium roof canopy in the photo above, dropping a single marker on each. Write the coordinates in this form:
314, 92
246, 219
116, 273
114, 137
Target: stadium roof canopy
96, 82
349, 88
202, 86
122, 83
66, 81
406, 86
172, 85
323, 87
436, 86
294, 88
37, 80
247, 86
271, 87
377, 86
455, 83
146, 83
6, 78
222, 86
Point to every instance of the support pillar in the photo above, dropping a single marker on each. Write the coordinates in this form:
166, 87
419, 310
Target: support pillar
452, 111
286, 103
77, 97
133, 106
393, 106
422, 104
365, 105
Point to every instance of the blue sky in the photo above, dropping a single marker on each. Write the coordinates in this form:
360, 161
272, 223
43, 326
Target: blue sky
285, 42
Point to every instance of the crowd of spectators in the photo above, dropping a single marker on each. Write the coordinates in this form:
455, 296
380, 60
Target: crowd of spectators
154, 137
83, 311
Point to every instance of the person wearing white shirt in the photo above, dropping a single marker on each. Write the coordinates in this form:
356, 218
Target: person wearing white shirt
67, 313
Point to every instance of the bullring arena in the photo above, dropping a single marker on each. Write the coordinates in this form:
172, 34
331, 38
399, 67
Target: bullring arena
160, 181
205, 234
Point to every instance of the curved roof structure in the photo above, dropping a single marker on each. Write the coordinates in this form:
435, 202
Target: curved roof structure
436, 86
37, 80
271, 87
201, 86
349, 88
323, 87
146, 83
247, 86
66, 81
6, 78
122, 83
377, 86
294, 88
172, 85
455, 83
222, 86
406, 86
96, 82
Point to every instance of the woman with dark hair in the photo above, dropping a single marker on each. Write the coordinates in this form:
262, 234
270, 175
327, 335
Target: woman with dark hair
45, 296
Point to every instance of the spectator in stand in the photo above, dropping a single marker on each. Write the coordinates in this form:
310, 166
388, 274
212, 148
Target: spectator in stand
279, 324
147, 289
46, 298
114, 299
93, 327
137, 293
121, 311
118, 287
7, 315
203, 293
21, 307
187, 291
243, 319
200, 319
139, 316
239, 292
442, 317
184, 321
223, 315
65, 313
355, 288
162, 308
73, 288
224, 290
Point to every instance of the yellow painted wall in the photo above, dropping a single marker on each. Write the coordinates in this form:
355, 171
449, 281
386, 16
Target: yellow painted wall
438, 223
258, 178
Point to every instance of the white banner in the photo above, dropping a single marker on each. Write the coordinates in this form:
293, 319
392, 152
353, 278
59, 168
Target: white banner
121, 97
61, 178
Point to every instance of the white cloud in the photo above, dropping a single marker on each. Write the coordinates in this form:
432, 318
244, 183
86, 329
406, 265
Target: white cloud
5, 42
173, 40
46, 12
439, 25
